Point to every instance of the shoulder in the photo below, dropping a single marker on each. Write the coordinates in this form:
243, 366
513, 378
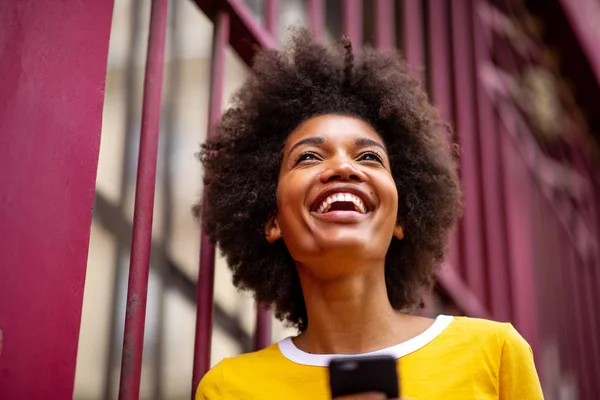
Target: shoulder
483, 339
480, 325
478, 329
211, 385
502, 333
231, 370
504, 353
256, 359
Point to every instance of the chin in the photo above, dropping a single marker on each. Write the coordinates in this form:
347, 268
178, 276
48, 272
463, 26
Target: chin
342, 258
348, 245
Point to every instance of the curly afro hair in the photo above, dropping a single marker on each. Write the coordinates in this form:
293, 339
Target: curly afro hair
242, 160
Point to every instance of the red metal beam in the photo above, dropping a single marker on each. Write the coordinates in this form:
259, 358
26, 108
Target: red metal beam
583, 16
549, 174
110, 217
384, 24
271, 13
412, 24
316, 17
553, 308
564, 301
595, 171
595, 265
440, 85
520, 245
135, 317
439, 54
262, 335
52, 80
206, 273
352, 21
246, 36
461, 294
498, 289
470, 226
589, 267
580, 344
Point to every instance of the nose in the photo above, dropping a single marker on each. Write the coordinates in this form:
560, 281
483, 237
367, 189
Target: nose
341, 170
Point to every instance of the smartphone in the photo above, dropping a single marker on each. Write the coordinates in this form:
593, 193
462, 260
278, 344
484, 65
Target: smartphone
353, 375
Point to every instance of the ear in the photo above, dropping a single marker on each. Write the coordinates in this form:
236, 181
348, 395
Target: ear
272, 230
399, 232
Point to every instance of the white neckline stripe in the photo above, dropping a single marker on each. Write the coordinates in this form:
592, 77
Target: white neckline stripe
292, 353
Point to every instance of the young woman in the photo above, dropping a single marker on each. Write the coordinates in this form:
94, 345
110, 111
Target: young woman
331, 190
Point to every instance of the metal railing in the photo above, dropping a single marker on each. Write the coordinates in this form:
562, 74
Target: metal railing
489, 272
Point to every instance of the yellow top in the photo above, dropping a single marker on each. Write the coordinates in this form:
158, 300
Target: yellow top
456, 358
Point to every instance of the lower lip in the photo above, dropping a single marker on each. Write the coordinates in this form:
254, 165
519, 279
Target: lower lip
344, 217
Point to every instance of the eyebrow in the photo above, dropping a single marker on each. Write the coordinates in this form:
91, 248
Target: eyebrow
369, 142
311, 140
320, 140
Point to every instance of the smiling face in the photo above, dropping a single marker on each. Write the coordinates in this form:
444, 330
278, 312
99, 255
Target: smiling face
337, 200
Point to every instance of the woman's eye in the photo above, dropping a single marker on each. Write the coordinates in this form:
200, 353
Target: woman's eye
306, 157
371, 157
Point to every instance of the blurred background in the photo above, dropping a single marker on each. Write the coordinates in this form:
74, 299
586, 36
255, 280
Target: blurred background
519, 80
515, 80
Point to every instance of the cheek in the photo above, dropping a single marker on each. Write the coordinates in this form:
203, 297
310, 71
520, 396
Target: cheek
391, 197
292, 189
294, 230
290, 201
386, 185
287, 196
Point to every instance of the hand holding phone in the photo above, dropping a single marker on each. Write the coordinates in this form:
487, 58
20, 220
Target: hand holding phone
372, 377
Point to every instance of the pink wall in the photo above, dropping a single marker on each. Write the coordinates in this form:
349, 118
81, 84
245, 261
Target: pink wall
52, 72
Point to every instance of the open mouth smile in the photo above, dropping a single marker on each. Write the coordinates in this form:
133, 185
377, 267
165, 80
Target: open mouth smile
345, 204
342, 202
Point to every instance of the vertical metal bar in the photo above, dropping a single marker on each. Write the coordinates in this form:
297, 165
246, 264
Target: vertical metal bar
583, 19
129, 90
595, 267
586, 275
49, 144
131, 362
441, 85
563, 300
491, 174
569, 321
517, 200
316, 17
271, 13
595, 218
595, 187
352, 22
206, 275
555, 308
167, 208
439, 46
470, 226
578, 344
384, 23
262, 336
413, 37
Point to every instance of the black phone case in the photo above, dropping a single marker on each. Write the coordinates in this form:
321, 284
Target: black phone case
353, 375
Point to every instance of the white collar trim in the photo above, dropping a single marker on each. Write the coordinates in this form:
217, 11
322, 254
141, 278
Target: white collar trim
292, 353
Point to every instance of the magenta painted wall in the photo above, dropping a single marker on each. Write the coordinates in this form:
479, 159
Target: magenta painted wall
52, 72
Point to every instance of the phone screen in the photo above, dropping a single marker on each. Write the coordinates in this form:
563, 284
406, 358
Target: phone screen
353, 375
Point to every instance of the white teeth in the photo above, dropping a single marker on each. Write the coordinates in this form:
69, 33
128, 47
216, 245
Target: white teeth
359, 205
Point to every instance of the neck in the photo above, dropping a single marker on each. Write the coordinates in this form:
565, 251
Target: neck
350, 314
